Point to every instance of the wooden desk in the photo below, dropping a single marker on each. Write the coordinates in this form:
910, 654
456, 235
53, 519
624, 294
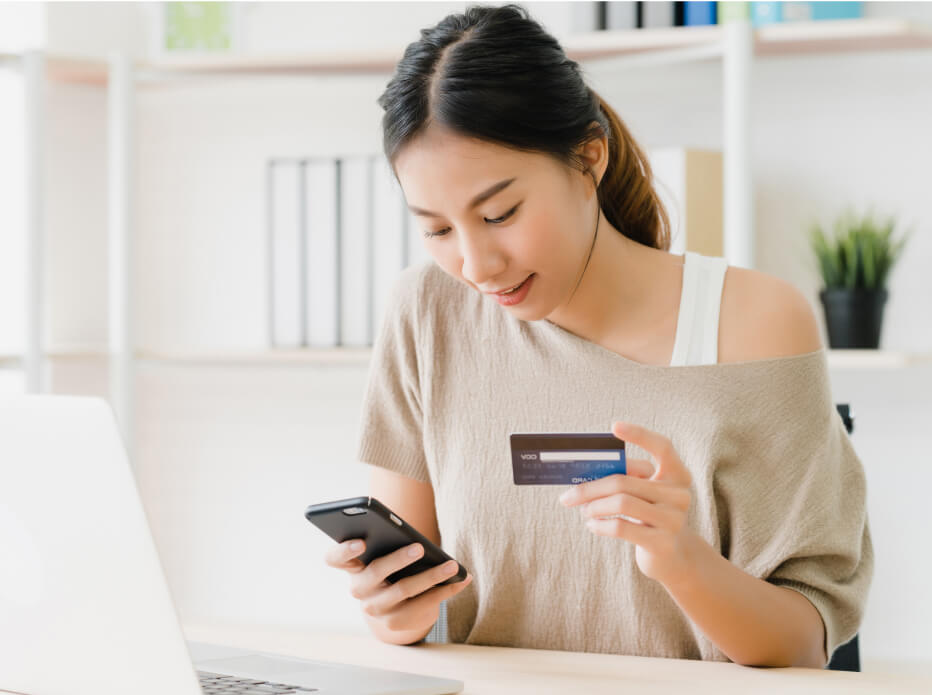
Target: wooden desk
497, 670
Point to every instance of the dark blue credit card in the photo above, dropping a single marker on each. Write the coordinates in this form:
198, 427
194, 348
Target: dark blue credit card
565, 459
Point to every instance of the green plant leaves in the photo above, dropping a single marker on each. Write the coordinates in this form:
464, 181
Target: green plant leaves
860, 252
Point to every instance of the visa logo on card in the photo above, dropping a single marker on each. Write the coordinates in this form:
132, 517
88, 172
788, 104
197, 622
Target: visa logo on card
565, 459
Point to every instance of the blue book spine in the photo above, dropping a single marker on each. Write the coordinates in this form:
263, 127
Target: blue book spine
766, 13
700, 13
836, 10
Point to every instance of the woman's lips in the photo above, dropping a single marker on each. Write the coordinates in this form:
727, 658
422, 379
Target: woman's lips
518, 295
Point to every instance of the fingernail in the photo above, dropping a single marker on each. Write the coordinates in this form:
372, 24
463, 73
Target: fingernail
356, 545
414, 550
450, 567
567, 496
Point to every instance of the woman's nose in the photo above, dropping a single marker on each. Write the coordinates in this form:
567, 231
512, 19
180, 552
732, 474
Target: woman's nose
482, 259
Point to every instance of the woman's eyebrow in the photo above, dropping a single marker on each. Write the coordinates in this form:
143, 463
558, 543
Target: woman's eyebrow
482, 197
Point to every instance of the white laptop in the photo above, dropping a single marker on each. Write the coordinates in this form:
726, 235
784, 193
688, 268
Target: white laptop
84, 607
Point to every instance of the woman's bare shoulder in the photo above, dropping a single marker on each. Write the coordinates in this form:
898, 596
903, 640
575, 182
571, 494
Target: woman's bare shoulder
763, 317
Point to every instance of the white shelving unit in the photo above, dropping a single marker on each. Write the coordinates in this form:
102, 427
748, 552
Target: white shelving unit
350, 356
877, 359
735, 44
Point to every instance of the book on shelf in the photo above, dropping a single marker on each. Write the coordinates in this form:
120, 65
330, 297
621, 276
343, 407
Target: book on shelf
763, 13
585, 16
636, 15
699, 13
286, 238
339, 235
323, 278
731, 11
766, 13
654, 15
621, 15
818, 11
355, 266
644, 15
689, 184
679, 14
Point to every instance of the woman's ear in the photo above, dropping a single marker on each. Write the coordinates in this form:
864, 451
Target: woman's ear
594, 155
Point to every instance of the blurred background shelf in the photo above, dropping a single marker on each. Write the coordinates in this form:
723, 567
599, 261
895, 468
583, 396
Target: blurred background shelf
837, 359
877, 359
791, 38
840, 36
230, 441
296, 357
226, 358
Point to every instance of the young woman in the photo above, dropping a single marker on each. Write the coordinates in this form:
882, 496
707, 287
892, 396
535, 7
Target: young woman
552, 304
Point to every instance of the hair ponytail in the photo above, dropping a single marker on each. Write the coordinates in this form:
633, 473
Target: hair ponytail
626, 191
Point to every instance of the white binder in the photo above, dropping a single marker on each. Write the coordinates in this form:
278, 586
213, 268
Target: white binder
621, 15
321, 227
286, 327
657, 14
355, 250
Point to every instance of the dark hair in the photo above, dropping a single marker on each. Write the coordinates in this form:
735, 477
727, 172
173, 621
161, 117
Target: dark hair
494, 74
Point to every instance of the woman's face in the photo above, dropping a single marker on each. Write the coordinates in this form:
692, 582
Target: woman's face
540, 224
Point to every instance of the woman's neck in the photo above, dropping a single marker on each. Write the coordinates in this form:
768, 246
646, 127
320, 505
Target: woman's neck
626, 293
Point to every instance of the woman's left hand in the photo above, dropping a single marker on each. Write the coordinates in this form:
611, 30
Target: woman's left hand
658, 498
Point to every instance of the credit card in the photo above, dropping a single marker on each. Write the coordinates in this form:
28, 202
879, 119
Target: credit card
565, 459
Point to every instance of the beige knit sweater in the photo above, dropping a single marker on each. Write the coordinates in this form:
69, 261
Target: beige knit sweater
778, 488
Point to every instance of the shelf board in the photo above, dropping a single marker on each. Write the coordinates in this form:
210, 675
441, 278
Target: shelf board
298, 356
371, 61
65, 68
837, 359
876, 359
76, 70
782, 39
842, 35
307, 356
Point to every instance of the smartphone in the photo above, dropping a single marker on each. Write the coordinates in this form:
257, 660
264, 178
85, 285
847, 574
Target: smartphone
383, 531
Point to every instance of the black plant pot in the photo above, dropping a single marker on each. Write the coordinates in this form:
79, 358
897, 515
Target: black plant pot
853, 317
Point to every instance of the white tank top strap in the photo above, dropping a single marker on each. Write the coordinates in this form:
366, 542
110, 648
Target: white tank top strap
700, 301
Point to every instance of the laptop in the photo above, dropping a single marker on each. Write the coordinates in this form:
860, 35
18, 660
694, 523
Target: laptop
84, 606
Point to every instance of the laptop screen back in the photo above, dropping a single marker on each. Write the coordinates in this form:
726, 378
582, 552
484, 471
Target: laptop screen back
84, 607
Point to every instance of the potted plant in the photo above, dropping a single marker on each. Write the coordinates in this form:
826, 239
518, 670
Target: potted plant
855, 263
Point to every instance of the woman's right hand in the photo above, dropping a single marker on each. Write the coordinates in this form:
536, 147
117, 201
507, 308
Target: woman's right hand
411, 605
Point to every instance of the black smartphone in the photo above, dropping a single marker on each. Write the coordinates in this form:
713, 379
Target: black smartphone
383, 531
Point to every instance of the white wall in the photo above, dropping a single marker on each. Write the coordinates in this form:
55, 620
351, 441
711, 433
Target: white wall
227, 458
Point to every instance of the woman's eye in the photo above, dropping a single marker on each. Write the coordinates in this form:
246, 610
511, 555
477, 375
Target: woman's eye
497, 220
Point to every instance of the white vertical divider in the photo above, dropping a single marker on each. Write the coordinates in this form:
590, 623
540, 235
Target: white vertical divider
738, 204
119, 233
34, 86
